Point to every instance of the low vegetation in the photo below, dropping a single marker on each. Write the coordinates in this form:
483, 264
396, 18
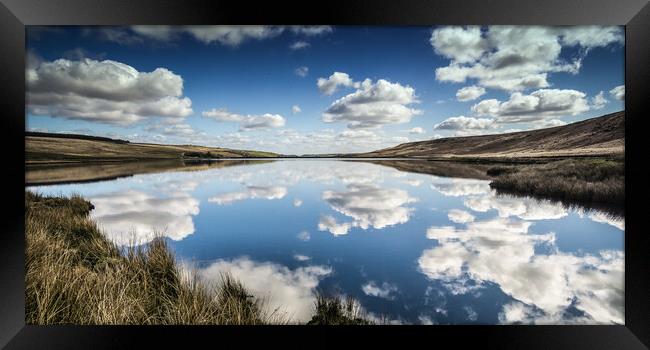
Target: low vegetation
74, 275
590, 182
338, 311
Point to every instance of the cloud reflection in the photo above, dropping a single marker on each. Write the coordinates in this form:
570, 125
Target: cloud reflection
291, 292
502, 251
368, 206
135, 217
251, 192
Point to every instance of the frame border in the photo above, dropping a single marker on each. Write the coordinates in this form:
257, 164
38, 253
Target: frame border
634, 14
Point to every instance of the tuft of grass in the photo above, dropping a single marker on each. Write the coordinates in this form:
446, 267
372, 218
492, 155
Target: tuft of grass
337, 310
589, 182
74, 275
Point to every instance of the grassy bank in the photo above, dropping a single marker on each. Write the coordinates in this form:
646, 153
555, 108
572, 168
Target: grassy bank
589, 182
74, 275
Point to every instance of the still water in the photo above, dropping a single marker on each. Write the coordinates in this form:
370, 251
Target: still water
411, 248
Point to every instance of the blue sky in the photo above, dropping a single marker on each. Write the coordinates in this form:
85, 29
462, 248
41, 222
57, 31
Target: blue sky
315, 89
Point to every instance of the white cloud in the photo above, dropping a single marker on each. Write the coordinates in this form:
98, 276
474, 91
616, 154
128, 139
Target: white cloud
291, 292
471, 314
459, 44
304, 236
300, 257
368, 206
416, 130
514, 58
524, 208
460, 216
329, 86
251, 192
299, 45
384, 290
104, 91
133, 217
460, 187
223, 34
373, 105
618, 92
329, 223
502, 251
297, 202
599, 101
311, 30
469, 93
465, 123
295, 109
539, 105
246, 122
301, 71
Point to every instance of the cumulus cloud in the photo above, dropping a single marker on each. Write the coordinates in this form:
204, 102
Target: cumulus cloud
465, 123
133, 217
460, 216
469, 93
368, 206
290, 292
329, 85
618, 92
599, 101
304, 236
301, 71
523, 208
416, 130
246, 122
295, 109
251, 192
460, 187
514, 58
104, 91
299, 45
384, 290
501, 251
372, 104
297, 202
539, 105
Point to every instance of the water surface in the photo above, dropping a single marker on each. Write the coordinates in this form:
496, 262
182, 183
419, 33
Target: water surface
411, 248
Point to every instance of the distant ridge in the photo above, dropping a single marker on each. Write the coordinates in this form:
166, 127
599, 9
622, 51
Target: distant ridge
598, 136
73, 136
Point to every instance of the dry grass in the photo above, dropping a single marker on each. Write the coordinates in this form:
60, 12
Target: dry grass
591, 182
76, 276
337, 311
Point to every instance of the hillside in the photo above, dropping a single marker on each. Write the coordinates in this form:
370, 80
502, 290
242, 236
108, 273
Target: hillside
66, 148
599, 136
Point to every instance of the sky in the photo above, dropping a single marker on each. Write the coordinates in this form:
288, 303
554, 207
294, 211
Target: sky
318, 89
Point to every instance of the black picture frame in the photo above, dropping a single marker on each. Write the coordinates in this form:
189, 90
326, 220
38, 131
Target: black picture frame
15, 14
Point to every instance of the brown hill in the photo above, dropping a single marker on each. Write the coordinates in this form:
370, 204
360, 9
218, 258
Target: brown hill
599, 136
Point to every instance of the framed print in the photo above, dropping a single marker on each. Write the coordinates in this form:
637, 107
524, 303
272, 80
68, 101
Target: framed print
238, 172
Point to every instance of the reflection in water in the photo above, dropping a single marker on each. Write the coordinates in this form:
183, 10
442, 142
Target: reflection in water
502, 251
135, 217
478, 258
251, 192
460, 187
384, 290
290, 292
367, 206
